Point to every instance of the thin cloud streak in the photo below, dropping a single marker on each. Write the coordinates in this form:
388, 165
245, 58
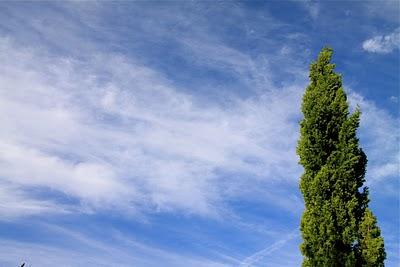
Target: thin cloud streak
260, 255
79, 249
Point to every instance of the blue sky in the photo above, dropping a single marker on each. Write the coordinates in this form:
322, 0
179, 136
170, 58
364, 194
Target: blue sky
164, 133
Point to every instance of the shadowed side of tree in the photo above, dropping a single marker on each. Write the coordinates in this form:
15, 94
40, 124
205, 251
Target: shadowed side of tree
334, 171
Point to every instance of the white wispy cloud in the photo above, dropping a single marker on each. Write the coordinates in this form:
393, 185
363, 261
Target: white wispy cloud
15, 202
113, 133
134, 141
383, 44
122, 136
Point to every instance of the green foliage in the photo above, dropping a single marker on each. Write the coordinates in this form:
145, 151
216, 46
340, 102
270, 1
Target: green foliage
371, 243
334, 170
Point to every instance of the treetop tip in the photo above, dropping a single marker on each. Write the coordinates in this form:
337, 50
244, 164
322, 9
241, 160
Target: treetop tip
325, 54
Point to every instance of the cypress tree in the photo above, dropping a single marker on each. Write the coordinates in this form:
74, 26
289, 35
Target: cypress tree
334, 171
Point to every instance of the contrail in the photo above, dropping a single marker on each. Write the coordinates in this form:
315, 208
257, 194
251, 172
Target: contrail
249, 261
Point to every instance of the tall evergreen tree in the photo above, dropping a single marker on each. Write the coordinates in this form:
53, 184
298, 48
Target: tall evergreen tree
334, 170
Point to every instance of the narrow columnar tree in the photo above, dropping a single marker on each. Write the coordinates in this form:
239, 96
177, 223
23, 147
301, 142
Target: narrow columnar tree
334, 170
